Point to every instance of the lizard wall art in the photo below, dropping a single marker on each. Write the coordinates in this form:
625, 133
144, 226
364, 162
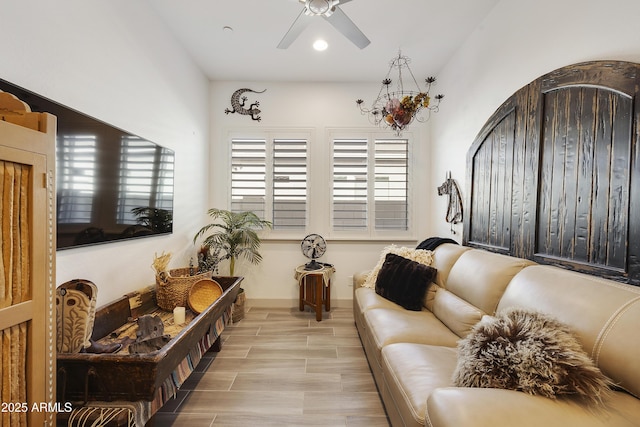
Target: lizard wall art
238, 104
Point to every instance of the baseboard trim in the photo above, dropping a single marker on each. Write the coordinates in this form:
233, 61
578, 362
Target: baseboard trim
291, 303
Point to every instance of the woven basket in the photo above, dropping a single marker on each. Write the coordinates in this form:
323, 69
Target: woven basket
203, 293
172, 290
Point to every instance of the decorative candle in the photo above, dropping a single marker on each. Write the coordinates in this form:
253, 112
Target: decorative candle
178, 315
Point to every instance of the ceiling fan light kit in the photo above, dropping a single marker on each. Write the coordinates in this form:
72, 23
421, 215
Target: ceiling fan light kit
330, 11
320, 45
319, 7
397, 107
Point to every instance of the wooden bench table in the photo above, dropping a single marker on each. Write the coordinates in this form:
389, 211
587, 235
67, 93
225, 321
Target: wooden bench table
147, 380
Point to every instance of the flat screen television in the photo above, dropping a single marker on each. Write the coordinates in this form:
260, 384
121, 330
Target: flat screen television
110, 184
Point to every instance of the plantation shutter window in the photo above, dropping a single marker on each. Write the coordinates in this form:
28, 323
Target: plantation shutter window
391, 184
350, 184
289, 184
269, 176
370, 191
248, 175
356, 186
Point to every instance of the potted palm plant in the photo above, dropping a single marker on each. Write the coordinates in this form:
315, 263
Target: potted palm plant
232, 235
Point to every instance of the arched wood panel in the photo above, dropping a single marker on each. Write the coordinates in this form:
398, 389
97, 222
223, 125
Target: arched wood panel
585, 177
559, 159
488, 164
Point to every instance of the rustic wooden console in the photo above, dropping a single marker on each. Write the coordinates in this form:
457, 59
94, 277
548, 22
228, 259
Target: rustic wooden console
138, 384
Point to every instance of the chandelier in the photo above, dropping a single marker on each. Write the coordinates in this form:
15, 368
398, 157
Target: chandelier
398, 106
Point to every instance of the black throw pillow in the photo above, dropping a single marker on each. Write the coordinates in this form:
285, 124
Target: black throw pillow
404, 281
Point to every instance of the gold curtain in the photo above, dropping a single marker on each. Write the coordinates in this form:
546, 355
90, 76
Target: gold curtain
15, 287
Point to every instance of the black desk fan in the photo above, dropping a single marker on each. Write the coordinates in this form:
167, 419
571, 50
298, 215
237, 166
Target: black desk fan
313, 247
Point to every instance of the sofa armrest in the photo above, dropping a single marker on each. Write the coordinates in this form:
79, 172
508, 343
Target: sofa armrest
485, 407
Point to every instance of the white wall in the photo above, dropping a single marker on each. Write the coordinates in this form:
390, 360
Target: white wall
319, 107
116, 62
519, 41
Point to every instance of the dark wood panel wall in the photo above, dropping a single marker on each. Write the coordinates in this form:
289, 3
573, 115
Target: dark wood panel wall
553, 175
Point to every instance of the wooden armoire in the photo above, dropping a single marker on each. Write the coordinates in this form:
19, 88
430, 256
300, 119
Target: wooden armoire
27, 265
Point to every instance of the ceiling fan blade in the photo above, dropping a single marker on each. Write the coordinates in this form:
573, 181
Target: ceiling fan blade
296, 29
344, 1
346, 26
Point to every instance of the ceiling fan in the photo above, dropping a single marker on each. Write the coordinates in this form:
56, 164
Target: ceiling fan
330, 11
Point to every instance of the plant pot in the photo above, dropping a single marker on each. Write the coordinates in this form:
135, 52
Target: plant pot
237, 308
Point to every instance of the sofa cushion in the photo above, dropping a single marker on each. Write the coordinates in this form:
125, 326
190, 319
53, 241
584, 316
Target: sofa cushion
444, 257
412, 373
492, 407
456, 313
367, 298
480, 277
404, 281
387, 326
528, 351
473, 288
603, 314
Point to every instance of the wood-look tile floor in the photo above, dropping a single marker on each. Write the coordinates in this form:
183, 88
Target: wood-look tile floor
280, 367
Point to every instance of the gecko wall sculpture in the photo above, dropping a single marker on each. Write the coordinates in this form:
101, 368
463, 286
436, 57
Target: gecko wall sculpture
238, 102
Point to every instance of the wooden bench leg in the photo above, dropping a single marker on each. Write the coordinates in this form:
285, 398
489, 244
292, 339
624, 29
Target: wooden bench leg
217, 345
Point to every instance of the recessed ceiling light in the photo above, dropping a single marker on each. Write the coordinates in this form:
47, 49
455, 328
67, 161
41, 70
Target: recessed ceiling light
320, 45
227, 29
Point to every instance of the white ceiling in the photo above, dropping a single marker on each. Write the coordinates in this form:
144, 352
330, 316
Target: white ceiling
427, 31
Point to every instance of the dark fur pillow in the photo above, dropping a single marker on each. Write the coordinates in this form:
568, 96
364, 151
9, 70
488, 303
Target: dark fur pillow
404, 281
530, 352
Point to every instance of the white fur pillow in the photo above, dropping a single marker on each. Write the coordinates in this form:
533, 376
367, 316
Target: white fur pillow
530, 352
418, 255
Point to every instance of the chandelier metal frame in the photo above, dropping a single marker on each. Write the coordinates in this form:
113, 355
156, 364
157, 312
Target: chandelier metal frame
398, 108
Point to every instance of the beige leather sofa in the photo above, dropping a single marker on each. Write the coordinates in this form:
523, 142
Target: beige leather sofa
413, 354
